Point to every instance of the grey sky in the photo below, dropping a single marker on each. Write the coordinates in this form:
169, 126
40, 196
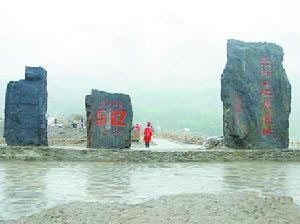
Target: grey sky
135, 37
118, 45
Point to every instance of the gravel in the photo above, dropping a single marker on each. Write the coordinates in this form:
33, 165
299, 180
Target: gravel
200, 208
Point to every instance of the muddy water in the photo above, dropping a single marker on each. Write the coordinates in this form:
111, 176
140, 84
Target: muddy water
27, 187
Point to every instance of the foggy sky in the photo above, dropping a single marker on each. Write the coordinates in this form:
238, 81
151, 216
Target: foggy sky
121, 45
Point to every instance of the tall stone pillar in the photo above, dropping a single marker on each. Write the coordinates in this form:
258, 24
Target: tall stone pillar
26, 108
109, 120
256, 96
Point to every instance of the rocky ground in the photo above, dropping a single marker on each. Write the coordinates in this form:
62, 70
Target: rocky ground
183, 137
62, 136
193, 138
67, 136
246, 208
77, 136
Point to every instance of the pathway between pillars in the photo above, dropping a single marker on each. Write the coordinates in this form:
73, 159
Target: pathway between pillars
165, 145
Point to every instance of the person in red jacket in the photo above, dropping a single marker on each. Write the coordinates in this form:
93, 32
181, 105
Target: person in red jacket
147, 135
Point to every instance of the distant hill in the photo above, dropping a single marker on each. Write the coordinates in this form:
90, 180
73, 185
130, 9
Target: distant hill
171, 108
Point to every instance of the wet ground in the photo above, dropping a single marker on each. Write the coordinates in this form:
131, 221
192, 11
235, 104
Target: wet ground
28, 187
164, 145
157, 145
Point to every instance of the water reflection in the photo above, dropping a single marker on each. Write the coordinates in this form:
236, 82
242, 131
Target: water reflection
65, 184
22, 189
153, 182
108, 182
264, 177
25, 188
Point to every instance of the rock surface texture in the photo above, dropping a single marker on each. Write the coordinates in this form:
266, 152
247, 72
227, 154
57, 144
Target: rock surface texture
256, 96
109, 120
26, 108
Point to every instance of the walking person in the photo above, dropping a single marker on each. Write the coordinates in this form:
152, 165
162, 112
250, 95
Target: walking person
138, 127
81, 123
152, 129
147, 135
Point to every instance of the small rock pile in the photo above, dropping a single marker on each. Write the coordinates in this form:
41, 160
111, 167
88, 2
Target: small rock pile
214, 142
183, 137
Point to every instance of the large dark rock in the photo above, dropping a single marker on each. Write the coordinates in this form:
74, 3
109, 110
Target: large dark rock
109, 120
256, 96
26, 108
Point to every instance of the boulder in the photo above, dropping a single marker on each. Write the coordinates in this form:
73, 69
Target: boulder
109, 120
26, 108
256, 96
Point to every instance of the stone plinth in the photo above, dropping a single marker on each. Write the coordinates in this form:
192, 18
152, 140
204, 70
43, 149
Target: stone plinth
256, 96
26, 108
109, 120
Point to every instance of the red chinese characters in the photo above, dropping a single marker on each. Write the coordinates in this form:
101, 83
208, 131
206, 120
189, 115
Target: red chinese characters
112, 132
267, 131
268, 104
267, 119
113, 104
265, 83
266, 73
237, 108
101, 118
265, 61
266, 94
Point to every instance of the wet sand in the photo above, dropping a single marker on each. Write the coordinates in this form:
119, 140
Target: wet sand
200, 208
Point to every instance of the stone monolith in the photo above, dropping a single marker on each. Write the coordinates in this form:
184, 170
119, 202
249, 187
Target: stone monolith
256, 96
26, 108
109, 120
